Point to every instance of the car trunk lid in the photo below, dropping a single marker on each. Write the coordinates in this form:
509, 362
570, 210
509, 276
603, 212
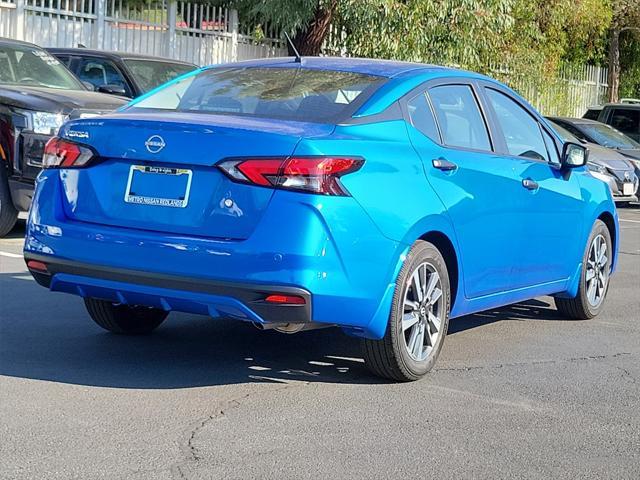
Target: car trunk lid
157, 172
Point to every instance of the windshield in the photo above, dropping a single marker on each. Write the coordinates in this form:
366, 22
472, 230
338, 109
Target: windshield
566, 135
608, 136
281, 93
28, 65
150, 74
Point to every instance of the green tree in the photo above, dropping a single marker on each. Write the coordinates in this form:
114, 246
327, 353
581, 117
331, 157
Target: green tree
626, 19
306, 21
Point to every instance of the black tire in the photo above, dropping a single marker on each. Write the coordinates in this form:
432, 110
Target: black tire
124, 319
579, 308
389, 356
8, 212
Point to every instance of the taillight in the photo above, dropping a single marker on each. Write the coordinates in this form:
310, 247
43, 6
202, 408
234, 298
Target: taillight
318, 174
62, 153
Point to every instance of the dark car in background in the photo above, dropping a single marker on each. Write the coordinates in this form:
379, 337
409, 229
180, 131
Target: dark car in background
623, 116
604, 135
119, 73
607, 164
37, 95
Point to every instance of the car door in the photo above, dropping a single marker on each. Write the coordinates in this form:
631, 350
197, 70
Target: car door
549, 199
476, 185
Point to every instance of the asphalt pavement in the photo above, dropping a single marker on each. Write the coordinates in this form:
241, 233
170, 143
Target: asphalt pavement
517, 393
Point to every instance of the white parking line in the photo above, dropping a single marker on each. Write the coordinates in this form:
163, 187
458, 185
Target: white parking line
632, 221
9, 254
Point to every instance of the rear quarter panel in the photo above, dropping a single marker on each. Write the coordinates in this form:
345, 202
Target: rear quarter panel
391, 187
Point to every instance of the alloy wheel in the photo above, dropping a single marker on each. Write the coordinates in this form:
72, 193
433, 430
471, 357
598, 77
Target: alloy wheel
422, 312
597, 272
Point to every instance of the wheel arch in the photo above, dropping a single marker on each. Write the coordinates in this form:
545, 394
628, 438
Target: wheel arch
612, 225
446, 247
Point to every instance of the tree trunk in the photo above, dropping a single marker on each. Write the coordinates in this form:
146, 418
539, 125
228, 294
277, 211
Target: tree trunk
309, 41
614, 64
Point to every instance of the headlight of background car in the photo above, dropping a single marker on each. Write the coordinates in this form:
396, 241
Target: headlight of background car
594, 167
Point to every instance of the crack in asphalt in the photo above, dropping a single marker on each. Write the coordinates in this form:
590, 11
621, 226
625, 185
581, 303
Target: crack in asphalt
534, 362
190, 452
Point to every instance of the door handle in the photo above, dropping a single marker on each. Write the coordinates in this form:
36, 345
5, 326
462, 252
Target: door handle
530, 184
444, 165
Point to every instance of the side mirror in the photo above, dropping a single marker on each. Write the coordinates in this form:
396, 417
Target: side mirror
112, 89
574, 155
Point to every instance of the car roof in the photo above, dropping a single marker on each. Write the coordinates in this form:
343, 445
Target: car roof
116, 55
11, 41
366, 66
623, 104
576, 121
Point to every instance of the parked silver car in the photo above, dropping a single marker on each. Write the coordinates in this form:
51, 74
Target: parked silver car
607, 164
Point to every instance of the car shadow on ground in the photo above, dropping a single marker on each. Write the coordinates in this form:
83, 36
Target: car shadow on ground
48, 336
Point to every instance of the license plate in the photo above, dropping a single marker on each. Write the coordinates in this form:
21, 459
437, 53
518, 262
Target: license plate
627, 189
158, 186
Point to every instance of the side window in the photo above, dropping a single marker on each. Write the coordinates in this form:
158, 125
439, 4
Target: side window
64, 59
521, 131
592, 114
459, 117
99, 72
554, 156
422, 117
626, 120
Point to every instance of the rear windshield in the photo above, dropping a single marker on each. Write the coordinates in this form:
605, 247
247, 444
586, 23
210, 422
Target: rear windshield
150, 74
280, 93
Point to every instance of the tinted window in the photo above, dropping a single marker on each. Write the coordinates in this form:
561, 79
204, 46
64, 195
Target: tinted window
626, 120
150, 74
592, 114
459, 117
521, 131
285, 93
98, 72
422, 117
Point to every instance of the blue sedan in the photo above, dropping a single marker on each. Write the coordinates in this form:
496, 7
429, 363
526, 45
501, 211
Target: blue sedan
384, 198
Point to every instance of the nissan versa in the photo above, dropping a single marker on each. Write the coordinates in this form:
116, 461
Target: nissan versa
384, 198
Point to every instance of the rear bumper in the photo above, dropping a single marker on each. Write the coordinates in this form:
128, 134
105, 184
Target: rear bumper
167, 292
325, 248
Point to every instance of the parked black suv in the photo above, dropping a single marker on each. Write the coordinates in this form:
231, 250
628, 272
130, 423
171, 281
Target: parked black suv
118, 73
624, 117
37, 95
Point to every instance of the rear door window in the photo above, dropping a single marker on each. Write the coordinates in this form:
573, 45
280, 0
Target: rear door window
522, 133
459, 117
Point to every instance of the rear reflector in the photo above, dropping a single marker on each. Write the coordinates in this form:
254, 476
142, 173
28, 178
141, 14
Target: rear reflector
62, 153
37, 266
285, 299
317, 174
